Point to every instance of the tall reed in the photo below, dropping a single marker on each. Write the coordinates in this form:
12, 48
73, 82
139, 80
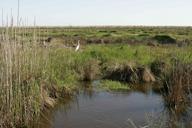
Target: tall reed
22, 66
178, 90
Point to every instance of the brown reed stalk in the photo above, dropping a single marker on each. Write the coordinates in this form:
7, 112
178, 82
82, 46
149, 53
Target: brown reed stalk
22, 64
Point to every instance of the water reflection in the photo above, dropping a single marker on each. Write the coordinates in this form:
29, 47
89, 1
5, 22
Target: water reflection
93, 108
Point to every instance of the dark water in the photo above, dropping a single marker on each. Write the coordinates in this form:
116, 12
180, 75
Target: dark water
101, 109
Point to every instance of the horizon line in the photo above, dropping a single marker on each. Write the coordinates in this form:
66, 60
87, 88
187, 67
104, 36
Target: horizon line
82, 26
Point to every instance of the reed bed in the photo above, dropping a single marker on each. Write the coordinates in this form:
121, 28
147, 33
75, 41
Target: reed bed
178, 91
22, 66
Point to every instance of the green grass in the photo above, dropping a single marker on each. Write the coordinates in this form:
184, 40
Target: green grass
69, 66
112, 34
134, 32
114, 86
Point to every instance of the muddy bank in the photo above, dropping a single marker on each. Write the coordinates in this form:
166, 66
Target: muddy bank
131, 74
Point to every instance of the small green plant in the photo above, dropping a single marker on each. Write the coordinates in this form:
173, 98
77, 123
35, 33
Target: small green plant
114, 85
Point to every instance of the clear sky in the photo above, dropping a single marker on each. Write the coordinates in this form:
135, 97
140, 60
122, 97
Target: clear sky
102, 12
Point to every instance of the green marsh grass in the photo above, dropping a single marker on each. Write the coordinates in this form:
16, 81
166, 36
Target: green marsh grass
114, 85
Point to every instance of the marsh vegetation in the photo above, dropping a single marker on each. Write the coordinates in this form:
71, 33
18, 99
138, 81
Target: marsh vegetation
39, 67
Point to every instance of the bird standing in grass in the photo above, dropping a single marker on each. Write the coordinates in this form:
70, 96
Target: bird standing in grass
78, 46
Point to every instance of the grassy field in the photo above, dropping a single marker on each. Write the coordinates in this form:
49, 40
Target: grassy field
37, 69
98, 35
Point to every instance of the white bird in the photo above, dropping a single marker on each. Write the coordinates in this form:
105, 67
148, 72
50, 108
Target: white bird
44, 44
78, 46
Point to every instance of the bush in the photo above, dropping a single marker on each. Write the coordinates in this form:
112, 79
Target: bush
164, 39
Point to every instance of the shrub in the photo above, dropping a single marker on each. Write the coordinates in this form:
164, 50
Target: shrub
164, 39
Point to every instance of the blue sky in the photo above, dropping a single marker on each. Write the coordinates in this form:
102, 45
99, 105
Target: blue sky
102, 12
